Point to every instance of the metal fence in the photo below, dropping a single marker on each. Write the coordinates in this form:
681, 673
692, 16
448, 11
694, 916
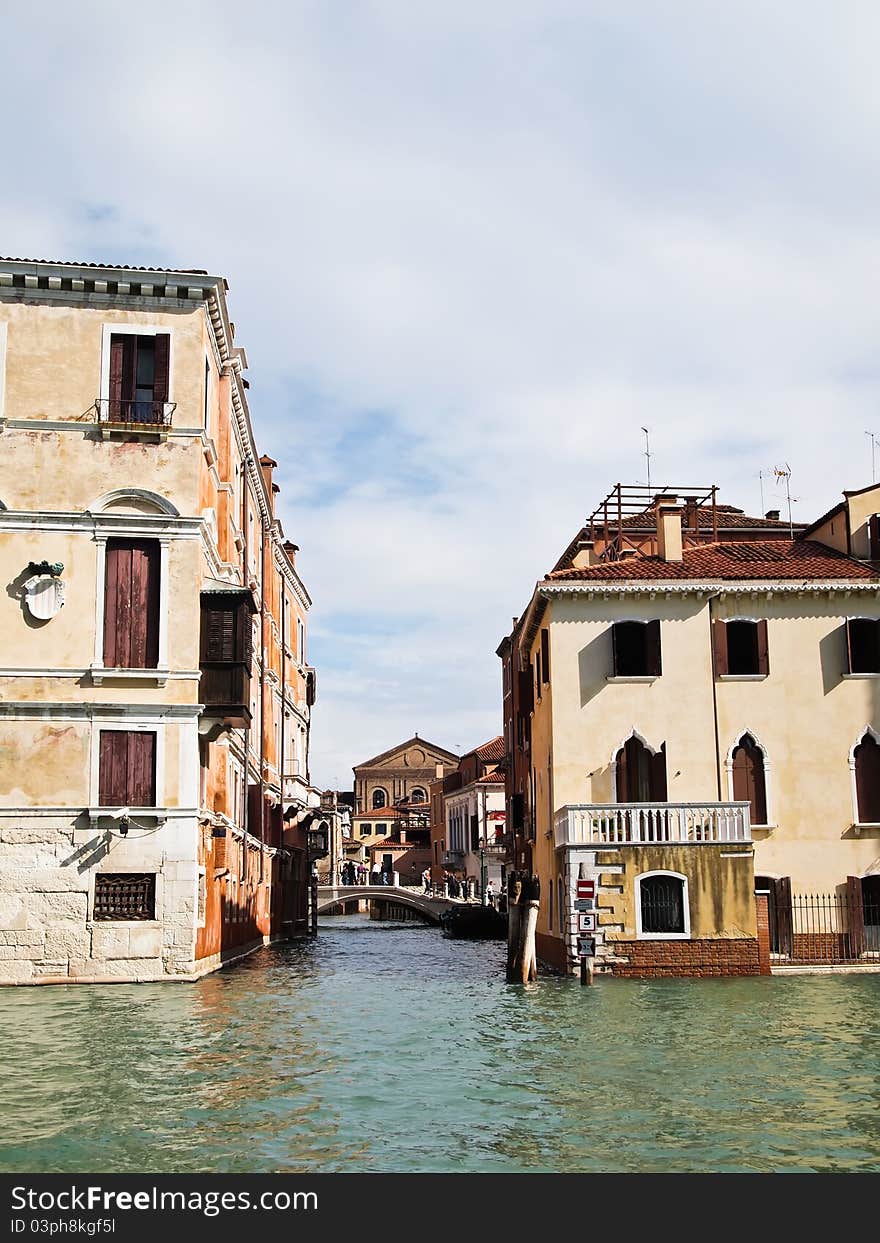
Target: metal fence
826, 928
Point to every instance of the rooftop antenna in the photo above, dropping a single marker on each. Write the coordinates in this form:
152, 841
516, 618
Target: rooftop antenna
648, 455
761, 485
785, 474
873, 466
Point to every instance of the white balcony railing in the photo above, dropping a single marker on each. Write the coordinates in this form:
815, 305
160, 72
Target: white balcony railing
642, 824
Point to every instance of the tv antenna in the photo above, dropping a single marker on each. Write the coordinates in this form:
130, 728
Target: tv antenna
648, 455
784, 472
873, 465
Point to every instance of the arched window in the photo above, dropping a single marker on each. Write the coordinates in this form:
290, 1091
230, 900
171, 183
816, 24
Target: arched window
662, 906
418, 795
749, 784
867, 765
380, 798
640, 773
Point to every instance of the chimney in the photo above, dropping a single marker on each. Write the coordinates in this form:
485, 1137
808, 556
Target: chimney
690, 512
772, 514
585, 554
668, 529
291, 550
267, 465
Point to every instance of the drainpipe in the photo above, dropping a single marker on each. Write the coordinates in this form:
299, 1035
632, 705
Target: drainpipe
262, 696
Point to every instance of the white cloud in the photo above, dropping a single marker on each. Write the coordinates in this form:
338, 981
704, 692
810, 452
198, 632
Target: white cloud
509, 234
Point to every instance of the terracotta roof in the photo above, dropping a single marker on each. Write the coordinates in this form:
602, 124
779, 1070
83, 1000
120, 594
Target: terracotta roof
491, 779
745, 560
492, 751
114, 267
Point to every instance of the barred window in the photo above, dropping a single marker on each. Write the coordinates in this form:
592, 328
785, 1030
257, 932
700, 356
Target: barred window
130, 895
663, 905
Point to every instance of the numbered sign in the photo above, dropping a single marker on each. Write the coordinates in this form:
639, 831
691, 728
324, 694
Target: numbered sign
586, 923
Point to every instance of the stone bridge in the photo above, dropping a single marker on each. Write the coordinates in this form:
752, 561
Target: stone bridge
429, 907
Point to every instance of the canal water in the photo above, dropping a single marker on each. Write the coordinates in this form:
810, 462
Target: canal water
382, 1047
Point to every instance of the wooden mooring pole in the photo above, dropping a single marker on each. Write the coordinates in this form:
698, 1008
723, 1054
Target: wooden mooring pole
523, 900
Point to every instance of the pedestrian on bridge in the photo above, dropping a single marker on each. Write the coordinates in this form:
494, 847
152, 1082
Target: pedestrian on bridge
426, 880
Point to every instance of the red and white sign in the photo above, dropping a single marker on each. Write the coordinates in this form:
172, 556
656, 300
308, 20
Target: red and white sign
586, 889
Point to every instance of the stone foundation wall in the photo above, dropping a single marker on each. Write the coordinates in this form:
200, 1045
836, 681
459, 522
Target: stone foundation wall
47, 872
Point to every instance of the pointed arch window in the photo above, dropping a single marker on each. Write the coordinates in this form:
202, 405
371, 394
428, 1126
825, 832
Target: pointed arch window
640, 772
749, 779
867, 771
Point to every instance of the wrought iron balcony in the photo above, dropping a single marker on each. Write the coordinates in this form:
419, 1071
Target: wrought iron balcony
134, 413
648, 824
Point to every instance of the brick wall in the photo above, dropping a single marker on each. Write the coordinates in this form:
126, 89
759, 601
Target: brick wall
762, 905
708, 957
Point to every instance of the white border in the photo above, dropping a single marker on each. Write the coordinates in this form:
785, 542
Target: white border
662, 936
867, 729
633, 733
768, 780
145, 724
2, 365
133, 330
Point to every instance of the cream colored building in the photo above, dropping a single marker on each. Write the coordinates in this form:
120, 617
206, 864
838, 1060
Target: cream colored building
154, 691
688, 721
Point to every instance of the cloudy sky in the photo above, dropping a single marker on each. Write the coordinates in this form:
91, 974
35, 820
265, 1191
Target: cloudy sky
472, 246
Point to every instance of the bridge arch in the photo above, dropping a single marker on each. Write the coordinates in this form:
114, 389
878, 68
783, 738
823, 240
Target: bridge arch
428, 907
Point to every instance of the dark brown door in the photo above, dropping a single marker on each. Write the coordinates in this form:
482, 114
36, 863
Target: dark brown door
131, 605
127, 768
749, 785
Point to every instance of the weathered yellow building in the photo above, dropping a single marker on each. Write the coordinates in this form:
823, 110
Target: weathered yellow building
154, 690
693, 715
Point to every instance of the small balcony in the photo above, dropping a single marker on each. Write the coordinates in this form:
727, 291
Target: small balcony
133, 416
595, 825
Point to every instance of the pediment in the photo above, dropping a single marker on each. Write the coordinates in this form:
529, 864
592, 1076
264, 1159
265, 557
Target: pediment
416, 753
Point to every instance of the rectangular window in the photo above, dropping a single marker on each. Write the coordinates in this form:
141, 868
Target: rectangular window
139, 374
545, 655
741, 648
636, 649
124, 896
131, 604
365, 830
127, 768
863, 644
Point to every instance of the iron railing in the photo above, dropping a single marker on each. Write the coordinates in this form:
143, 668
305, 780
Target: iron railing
134, 413
825, 928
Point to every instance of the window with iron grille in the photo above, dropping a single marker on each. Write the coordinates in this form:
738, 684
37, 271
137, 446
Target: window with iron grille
663, 905
129, 895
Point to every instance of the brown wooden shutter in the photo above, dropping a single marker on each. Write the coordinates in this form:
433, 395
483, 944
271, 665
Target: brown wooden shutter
115, 393
161, 367
719, 643
131, 604
526, 691
849, 659
219, 635
141, 769
763, 647
129, 371
113, 768
127, 768
545, 654
749, 783
782, 890
658, 776
615, 655
538, 674
622, 777
856, 913
867, 757
652, 649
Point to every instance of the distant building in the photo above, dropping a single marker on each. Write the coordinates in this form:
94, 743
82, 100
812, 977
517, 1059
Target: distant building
402, 772
474, 817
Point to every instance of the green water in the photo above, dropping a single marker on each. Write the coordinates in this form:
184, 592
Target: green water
382, 1048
